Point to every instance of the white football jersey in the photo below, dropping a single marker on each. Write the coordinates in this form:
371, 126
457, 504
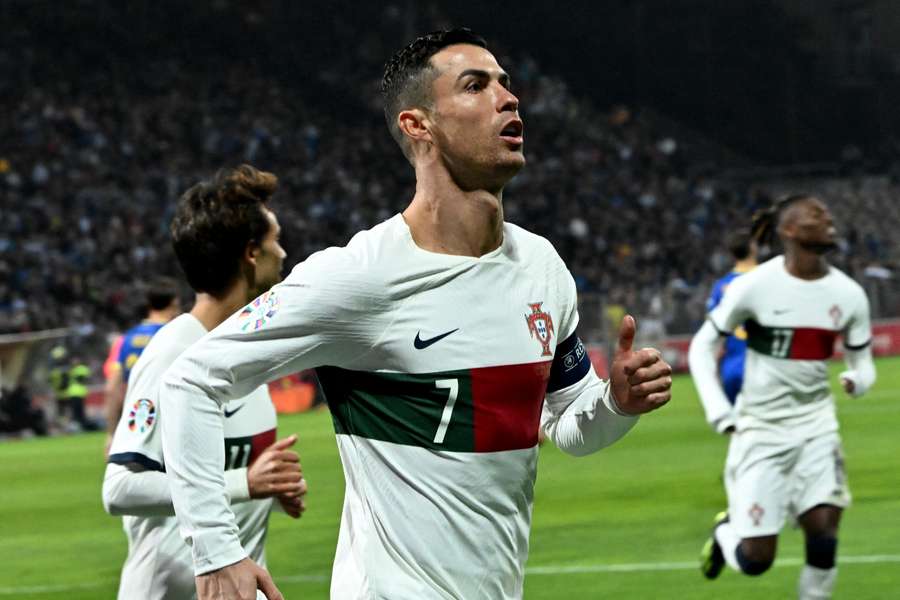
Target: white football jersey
158, 565
791, 325
435, 368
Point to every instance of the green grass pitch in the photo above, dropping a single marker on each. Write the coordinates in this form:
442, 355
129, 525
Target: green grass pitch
625, 523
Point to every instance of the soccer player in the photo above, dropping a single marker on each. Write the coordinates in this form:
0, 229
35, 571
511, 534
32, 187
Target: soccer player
785, 458
442, 338
163, 305
226, 240
731, 365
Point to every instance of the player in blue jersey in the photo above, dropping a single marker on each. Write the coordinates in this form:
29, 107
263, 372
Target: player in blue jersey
731, 365
163, 305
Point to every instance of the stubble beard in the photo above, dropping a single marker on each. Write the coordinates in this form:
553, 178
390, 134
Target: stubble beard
818, 248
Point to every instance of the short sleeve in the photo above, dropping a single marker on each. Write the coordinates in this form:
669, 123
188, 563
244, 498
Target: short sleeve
858, 333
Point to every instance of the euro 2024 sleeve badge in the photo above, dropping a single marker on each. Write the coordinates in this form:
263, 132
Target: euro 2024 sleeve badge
256, 314
142, 416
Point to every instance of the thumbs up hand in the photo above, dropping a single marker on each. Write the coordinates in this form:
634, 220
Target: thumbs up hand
641, 380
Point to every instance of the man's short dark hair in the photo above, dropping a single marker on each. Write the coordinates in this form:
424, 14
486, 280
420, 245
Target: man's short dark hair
215, 220
409, 74
161, 291
739, 242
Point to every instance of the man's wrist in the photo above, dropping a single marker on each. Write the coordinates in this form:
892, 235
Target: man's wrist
609, 399
237, 485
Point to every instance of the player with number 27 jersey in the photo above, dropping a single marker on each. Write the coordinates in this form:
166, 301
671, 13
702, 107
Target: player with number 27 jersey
790, 335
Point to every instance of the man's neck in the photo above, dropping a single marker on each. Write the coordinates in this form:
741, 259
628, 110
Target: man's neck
158, 316
212, 311
445, 219
744, 265
804, 264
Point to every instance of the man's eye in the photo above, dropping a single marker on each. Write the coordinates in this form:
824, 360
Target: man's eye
475, 86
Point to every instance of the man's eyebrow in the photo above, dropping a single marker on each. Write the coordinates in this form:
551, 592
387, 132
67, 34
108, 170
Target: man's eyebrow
503, 78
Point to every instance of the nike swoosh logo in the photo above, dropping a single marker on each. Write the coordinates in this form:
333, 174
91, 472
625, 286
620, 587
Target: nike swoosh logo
229, 414
421, 344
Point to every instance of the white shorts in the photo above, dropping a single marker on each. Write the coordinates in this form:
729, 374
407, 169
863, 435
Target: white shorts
769, 481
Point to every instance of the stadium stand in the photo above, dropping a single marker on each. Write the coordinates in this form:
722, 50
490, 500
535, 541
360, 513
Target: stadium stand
92, 159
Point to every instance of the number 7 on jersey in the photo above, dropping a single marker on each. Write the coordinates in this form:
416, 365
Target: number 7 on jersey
453, 386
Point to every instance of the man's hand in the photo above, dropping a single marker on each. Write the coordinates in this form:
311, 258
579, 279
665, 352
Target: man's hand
848, 385
641, 380
277, 471
293, 504
237, 582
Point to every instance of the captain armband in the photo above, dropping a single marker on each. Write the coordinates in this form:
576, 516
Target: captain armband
570, 364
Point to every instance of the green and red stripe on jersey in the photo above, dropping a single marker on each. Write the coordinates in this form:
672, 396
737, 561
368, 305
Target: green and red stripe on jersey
796, 343
484, 409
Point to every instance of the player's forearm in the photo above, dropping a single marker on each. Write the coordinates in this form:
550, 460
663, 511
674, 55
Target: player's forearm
193, 444
590, 422
861, 370
704, 371
137, 493
142, 493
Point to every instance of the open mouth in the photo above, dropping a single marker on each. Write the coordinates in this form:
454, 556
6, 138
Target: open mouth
512, 132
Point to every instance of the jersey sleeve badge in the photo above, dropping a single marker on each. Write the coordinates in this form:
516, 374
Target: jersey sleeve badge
142, 416
259, 312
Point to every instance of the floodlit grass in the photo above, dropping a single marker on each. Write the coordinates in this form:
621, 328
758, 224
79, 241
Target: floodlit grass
647, 500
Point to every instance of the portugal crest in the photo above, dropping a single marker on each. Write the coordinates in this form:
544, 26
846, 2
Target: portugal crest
836, 314
756, 513
540, 325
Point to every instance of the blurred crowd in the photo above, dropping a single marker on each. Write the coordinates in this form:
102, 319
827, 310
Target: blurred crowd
91, 163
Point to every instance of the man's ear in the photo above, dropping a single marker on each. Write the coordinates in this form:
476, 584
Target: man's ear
251, 251
786, 229
414, 124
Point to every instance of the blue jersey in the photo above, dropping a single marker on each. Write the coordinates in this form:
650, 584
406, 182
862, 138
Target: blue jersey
133, 343
731, 365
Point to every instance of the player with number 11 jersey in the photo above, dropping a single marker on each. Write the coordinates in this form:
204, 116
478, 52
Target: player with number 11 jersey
159, 561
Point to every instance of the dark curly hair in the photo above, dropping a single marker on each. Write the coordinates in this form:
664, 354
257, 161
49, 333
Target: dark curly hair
160, 292
739, 243
409, 73
215, 220
765, 221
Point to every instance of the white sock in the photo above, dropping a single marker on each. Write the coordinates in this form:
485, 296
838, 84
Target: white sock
728, 541
815, 583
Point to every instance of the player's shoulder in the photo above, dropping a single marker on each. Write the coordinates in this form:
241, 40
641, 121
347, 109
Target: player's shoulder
169, 342
720, 283
362, 263
749, 284
845, 282
763, 273
529, 247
